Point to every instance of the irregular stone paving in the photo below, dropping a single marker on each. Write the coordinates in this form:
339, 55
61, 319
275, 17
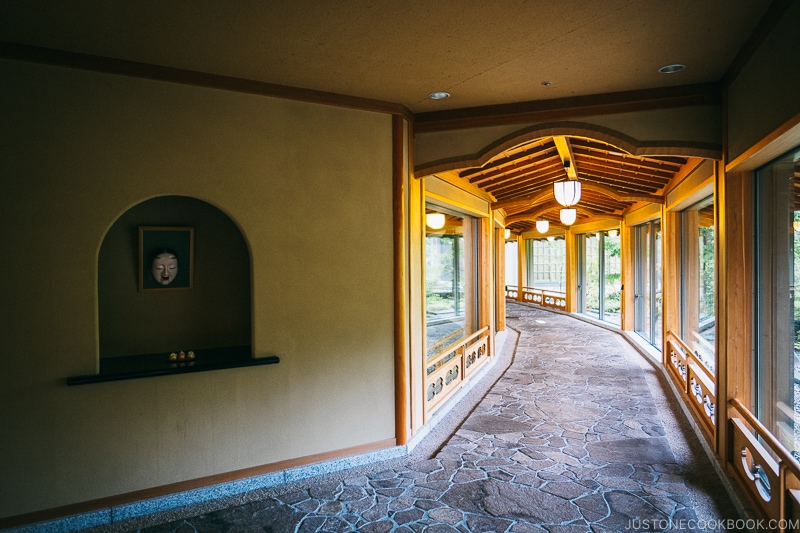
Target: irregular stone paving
568, 440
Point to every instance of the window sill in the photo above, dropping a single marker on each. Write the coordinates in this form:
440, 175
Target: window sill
158, 364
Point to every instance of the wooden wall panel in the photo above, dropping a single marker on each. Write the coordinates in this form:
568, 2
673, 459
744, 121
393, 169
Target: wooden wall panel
734, 305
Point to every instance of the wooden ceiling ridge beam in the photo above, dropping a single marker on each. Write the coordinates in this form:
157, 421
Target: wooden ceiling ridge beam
567, 157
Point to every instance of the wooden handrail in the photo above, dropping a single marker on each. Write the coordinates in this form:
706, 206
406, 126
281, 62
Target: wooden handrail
682, 344
690, 353
453, 347
780, 450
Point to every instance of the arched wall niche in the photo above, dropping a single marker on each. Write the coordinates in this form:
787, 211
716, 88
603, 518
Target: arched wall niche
214, 313
574, 129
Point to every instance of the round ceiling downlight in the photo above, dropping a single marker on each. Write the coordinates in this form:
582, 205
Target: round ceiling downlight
439, 95
669, 69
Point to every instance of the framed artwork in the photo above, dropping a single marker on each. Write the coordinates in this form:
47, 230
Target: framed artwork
166, 258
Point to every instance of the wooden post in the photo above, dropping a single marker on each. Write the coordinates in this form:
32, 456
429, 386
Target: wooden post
571, 258
520, 267
500, 277
401, 370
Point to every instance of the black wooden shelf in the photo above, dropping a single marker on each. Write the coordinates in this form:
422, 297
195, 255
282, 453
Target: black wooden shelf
158, 364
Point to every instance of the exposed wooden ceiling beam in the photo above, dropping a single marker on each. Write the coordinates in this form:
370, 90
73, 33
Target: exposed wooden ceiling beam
549, 156
566, 155
622, 197
549, 206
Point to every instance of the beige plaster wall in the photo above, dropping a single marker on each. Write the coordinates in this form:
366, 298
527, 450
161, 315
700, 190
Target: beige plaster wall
697, 124
766, 93
310, 188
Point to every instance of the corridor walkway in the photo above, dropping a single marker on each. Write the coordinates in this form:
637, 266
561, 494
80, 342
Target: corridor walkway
576, 435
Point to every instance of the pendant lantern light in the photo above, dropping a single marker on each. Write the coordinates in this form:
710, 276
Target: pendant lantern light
542, 226
568, 216
435, 220
567, 192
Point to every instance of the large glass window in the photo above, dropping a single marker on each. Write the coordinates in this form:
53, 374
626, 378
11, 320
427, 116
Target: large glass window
647, 282
777, 309
591, 278
698, 275
612, 277
599, 275
512, 263
451, 287
546, 263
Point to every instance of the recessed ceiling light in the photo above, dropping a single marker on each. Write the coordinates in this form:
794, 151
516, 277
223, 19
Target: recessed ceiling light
546, 83
669, 69
439, 96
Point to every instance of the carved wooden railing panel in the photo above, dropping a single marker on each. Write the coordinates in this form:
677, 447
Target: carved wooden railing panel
767, 472
512, 292
446, 371
543, 297
698, 385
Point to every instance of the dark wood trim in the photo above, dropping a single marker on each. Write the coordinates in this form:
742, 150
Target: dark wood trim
571, 107
401, 363
108, 65
182, 486
768, 21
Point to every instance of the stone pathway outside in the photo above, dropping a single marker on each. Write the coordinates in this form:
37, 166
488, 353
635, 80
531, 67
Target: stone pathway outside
577, 435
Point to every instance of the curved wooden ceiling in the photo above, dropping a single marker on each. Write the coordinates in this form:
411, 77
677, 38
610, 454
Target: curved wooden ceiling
520, 180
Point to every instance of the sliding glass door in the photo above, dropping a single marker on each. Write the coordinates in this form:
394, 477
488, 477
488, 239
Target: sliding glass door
647, 282
599, 273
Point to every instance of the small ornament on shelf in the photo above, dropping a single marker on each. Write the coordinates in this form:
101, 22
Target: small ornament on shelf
183, 357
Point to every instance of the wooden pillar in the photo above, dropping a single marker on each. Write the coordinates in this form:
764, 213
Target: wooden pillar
734, 212
673, 281
401, 367
520, 267
628, 267
571, 258
500, 278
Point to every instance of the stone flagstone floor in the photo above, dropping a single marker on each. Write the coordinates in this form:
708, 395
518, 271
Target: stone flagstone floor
577, 435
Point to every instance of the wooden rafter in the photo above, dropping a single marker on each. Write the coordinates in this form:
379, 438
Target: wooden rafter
520, 180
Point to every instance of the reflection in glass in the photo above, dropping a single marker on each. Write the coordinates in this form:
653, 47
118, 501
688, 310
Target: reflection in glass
776, 309
647, 282
591, 285
546, 263
698, 275
612, 278
511, 263
450, 282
